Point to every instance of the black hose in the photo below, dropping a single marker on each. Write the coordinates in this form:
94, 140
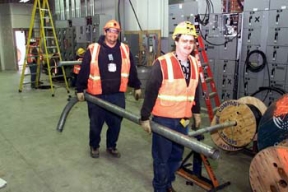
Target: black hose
276, 89
65, 112
250, 65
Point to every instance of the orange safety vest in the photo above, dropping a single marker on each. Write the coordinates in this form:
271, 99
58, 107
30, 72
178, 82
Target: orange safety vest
33, 58
76, 68
175, 99
94, 81
30, 58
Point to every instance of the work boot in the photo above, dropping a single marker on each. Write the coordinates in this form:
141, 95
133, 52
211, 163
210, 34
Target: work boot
94, 152
114, 152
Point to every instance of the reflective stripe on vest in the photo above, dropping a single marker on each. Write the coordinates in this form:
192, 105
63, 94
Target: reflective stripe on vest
30, 58
94, 81
76, 68
175, 99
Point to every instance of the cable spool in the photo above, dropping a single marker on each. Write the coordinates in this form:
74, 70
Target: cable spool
269, 169
273, 126
246, 112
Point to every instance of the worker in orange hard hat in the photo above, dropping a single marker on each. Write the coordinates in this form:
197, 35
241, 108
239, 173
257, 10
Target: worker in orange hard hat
172, 97
106, 71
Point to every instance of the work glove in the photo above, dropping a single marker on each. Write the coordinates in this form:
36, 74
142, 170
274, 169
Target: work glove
137, 94
146, 126
80, 96
196, 121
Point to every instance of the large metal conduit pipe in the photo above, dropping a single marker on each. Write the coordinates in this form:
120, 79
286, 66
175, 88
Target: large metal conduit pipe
67, 63
212, 128
65, 112
184, 140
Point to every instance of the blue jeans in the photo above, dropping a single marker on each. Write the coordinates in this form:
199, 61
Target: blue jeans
98, 116
167, 155
33, 74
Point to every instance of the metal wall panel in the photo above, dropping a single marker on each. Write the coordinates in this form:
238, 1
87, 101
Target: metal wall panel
277, 36
225, 94
252, 36
229, 50
278, 4
277, 54
256, 5
254, 19
277, 72
278, 18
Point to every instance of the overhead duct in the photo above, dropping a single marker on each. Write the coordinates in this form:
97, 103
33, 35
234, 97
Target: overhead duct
78, 8
92, 7
73, 9
86, 8
68, 14
62, 10
57, 9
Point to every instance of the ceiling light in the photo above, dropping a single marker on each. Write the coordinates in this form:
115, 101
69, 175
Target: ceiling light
23, 1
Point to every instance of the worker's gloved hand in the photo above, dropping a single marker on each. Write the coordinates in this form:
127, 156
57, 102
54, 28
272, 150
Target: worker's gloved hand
137, 94
146, 126
196, 121
80, 96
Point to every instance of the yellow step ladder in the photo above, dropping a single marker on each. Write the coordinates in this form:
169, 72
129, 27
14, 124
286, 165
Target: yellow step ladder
42, 32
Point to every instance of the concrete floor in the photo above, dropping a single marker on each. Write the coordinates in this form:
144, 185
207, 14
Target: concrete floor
35, 157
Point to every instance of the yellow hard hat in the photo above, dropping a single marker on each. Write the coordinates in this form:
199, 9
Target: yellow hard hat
80, 51
184, 28
112, 24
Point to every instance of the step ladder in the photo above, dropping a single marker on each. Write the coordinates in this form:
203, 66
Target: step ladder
43, 31
209, 90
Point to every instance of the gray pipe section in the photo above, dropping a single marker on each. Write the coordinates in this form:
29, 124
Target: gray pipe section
212, 128
65, 112
68, 63
184, 140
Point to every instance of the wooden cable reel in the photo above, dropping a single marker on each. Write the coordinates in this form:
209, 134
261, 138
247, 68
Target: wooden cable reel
269, 168
246, 112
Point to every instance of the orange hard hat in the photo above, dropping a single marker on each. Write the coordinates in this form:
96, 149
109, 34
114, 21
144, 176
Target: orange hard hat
112, 24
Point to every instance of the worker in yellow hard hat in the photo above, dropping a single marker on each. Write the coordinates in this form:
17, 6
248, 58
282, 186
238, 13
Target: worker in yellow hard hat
76, 69
172, 97
106, 71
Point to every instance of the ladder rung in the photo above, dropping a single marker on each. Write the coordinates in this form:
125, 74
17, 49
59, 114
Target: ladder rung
209, 79
49, 27
51, 47
44, 9
211, 95
56, 76
204, 64
50, 37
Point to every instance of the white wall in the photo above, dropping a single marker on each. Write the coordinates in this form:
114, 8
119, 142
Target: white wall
152, 15
12, 16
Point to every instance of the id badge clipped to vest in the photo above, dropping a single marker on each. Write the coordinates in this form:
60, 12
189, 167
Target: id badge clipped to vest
111, 66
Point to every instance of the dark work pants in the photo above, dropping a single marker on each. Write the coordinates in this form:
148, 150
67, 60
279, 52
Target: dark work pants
99, 115
167, 155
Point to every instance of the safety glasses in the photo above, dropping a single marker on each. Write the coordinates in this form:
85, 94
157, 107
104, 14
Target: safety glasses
112, 30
